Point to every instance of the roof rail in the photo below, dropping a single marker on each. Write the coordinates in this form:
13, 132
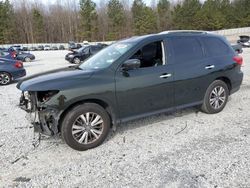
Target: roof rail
184, 31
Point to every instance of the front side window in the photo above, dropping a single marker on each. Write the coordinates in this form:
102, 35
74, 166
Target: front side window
186, 49
107, 56
151, 55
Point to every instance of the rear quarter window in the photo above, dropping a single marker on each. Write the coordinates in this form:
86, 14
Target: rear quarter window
215, 47
186, 49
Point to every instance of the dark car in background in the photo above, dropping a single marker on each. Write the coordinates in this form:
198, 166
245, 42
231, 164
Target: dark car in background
237, 48
244, 41
25, 57
61, 47
10, 70
77, 56
131, 79
17, 48
73, 45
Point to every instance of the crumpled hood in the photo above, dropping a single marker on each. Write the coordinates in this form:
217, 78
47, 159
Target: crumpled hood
59, 79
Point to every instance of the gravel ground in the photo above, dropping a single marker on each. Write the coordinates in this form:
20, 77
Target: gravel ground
183, 149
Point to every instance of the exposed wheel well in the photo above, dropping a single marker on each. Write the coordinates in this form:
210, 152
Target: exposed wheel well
96, 101
227, 81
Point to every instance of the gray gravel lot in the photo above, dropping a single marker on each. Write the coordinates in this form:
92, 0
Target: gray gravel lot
183, 149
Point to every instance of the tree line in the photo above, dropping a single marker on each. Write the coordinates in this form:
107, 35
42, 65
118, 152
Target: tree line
33, 22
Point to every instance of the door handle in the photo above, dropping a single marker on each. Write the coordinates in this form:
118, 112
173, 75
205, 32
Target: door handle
165, 75
210, 67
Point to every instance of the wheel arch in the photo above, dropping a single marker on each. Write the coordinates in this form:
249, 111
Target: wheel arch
7, 73
110, 110
227, 81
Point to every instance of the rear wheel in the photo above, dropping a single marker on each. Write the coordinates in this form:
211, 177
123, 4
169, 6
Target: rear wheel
85, 126
216, 97
5, 78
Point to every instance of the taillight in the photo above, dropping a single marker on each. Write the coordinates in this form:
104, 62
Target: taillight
238, 59
18, 64
13, 54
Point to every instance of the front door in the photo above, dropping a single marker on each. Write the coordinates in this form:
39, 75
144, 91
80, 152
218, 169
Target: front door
149, 88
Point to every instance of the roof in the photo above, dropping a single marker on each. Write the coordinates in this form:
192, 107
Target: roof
168, 33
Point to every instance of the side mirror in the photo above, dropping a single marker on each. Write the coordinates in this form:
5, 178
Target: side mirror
131, 64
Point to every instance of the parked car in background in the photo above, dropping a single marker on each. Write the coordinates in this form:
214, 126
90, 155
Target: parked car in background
25, 57
74, 46
17, 48
61, 47
12, 53
10, 70
54, 48
237, 48
77, 56
7, 55
244, 41
40, 47
33, 48
25, 48
131, 79
47, 47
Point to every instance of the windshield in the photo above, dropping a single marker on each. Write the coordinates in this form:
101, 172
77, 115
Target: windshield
107, 56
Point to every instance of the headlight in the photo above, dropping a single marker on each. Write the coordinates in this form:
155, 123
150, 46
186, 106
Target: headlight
44, 96
71, 56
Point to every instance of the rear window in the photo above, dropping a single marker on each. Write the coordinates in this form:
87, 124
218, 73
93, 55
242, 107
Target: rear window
186, 49
215, 46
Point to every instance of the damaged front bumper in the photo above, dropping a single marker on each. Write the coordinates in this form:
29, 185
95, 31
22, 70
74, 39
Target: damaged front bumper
44, 118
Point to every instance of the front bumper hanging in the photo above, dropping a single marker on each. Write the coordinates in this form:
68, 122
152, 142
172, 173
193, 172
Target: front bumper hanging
45, 119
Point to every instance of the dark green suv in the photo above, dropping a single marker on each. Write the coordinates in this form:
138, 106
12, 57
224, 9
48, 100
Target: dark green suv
131, 79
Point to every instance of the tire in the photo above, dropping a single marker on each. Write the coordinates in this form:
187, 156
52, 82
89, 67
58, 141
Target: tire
5, 78
216, 97
81, 133
76, 60
27, 59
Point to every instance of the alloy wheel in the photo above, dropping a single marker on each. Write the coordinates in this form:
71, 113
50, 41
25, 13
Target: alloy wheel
87, 128
217, 97
4, 79
77, 61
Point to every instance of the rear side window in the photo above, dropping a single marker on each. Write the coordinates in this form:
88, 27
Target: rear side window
186, 49
215, 47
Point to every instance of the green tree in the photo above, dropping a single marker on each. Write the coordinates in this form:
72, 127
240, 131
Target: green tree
184, 14
144, 18
241, 7
164, 15
116, 16
38, 25
88, 19
7, 23
210, 17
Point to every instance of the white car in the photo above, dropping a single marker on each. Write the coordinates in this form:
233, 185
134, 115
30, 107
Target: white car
47, 47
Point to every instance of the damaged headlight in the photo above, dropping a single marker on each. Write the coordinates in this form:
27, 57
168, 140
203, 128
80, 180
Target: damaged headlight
44, 96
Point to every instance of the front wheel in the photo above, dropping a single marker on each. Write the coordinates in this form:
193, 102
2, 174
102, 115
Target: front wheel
85, 126
76, 60
216, 97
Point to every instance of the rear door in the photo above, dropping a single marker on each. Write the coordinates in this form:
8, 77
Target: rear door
190, 73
